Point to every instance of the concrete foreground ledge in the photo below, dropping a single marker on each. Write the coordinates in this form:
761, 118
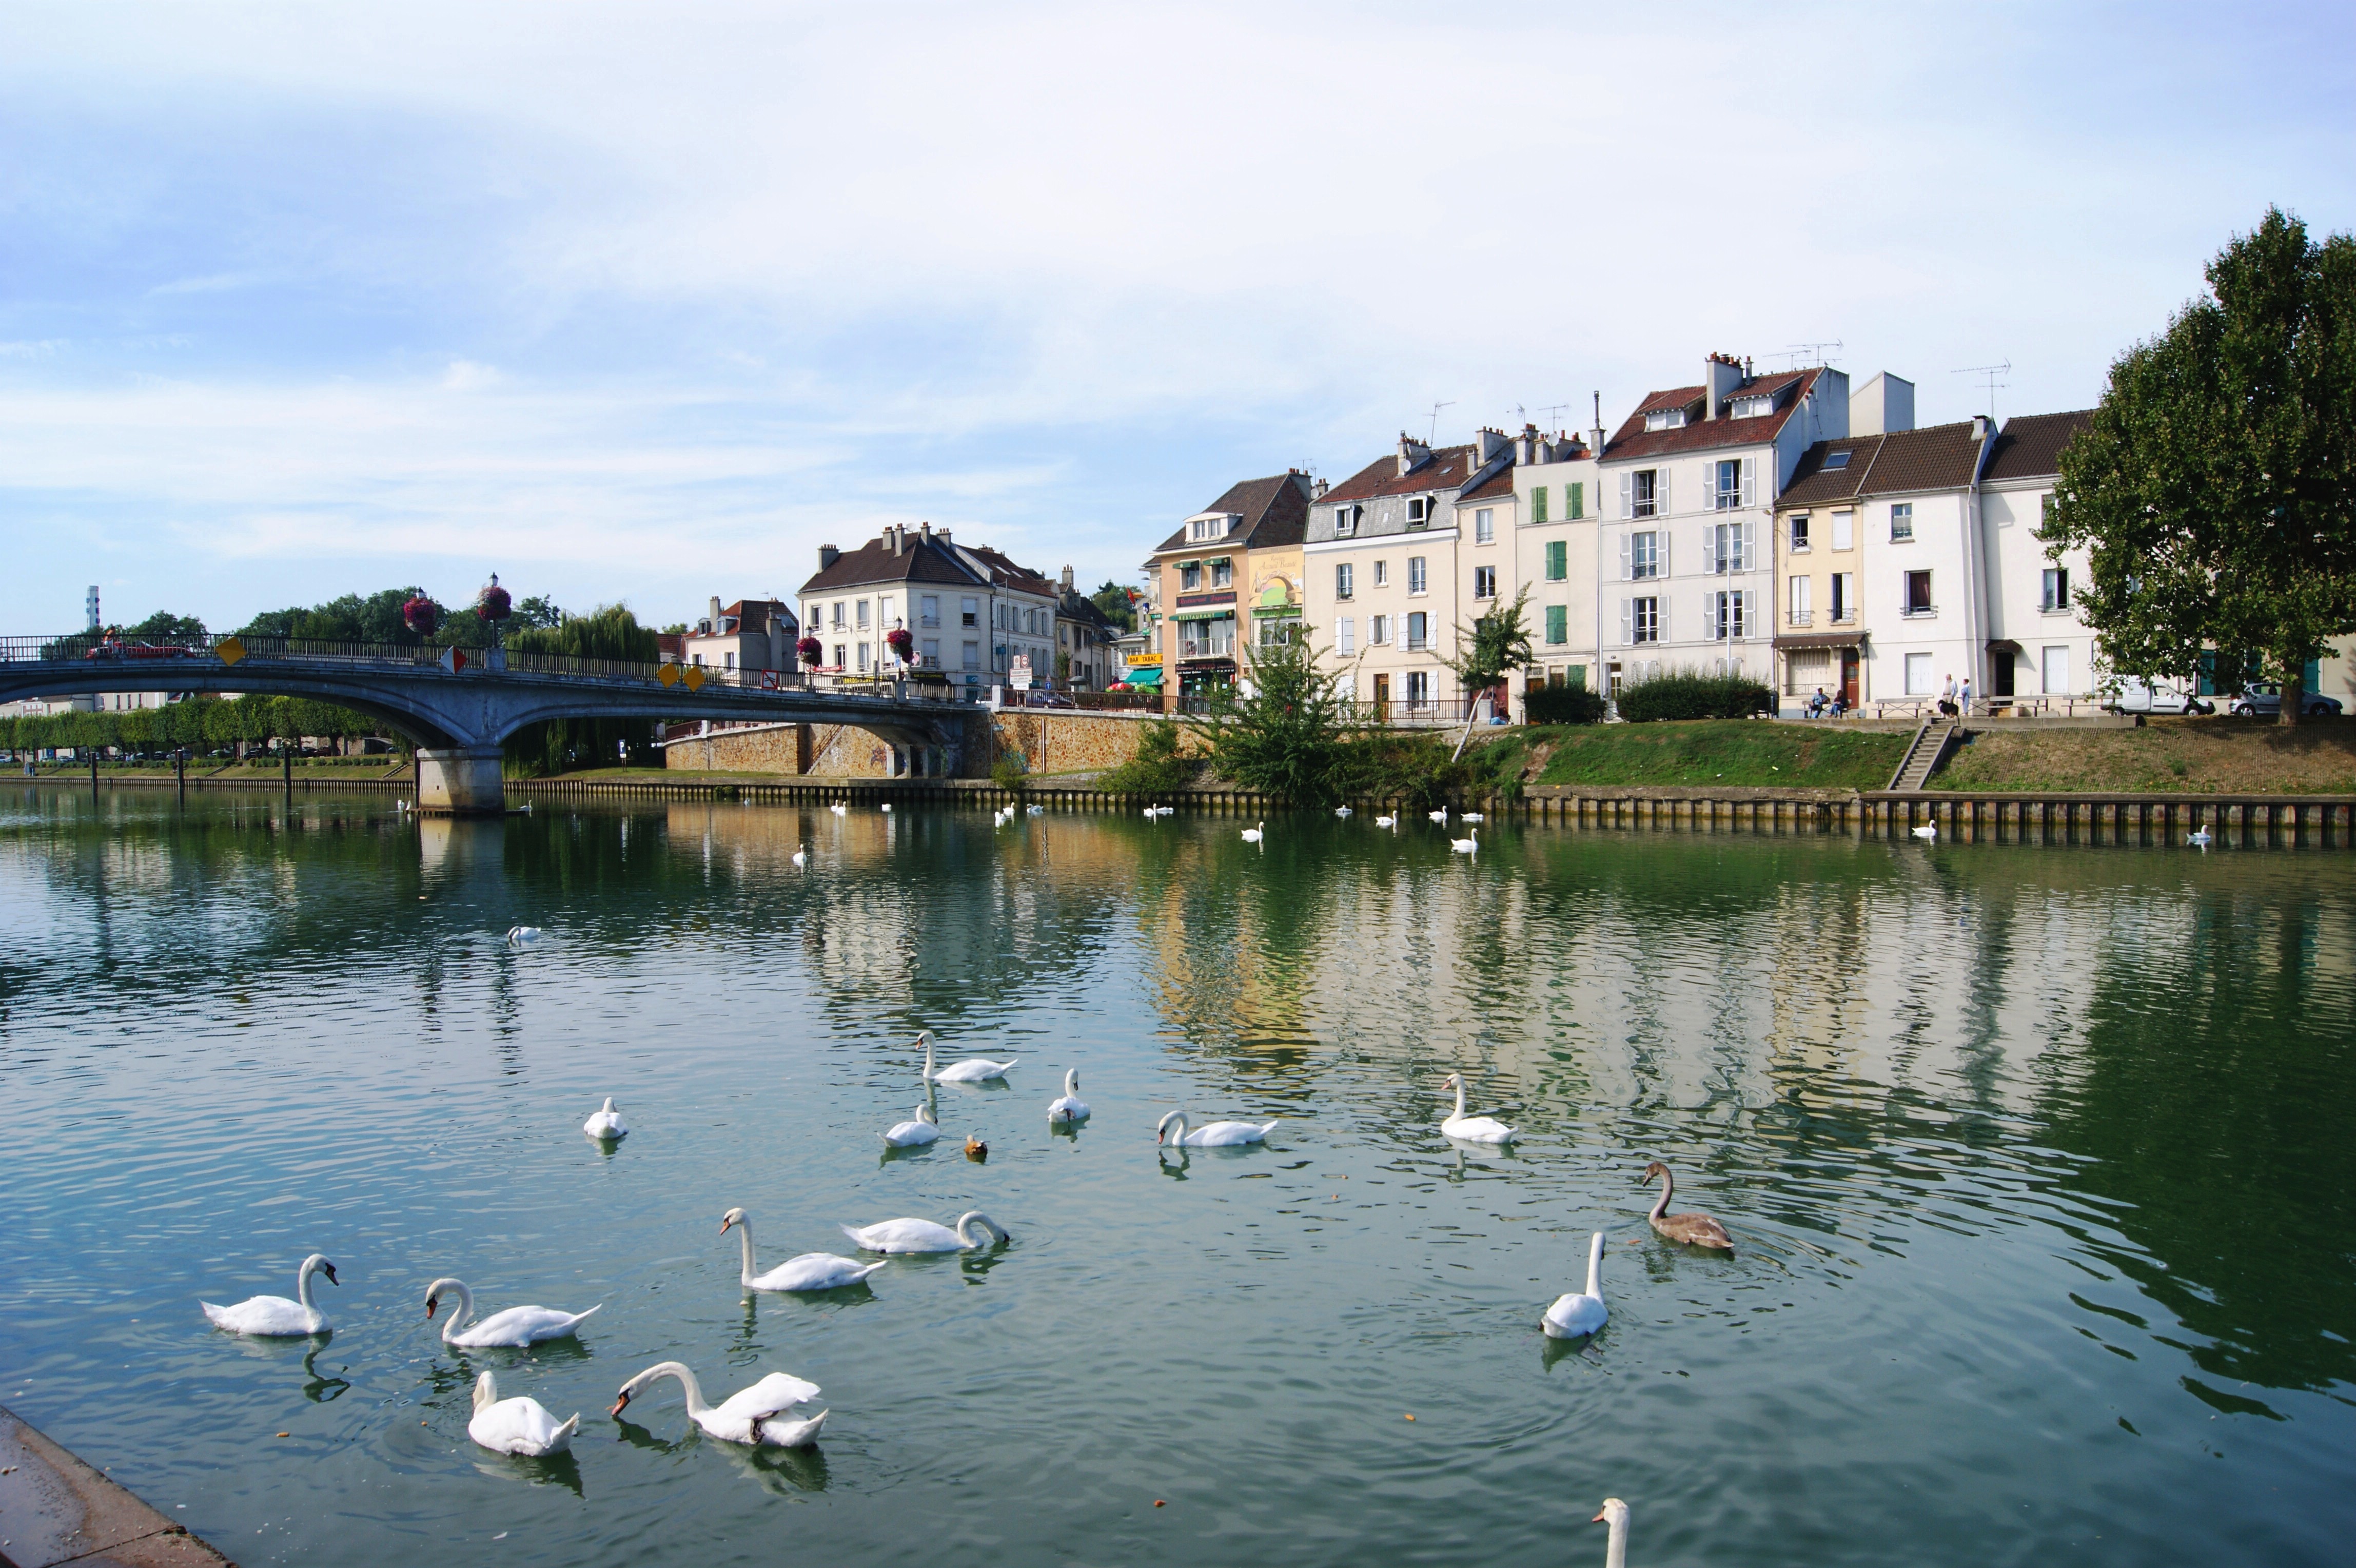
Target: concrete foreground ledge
56, 1510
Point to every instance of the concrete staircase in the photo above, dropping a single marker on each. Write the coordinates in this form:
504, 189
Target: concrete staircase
1929, 750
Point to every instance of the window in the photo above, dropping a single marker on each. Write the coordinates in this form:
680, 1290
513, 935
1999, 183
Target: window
1642, 621
1201, 528
838, 612
1799, 525
1729, 616
1345, 635
2057, 587
1918, 674
2055, 666
1557, 561
1558, 625
1418, 626
841, 657
695, 658
1901, 523
972, 650
972, 609
1345, 521
1484, 582
1418, 688
1190, 577
884, 610
928, 610
1918, 594
1484, 524
930, 652
1214, 639
1726, 487
1574, 507
1419, 511
1730, 546
1378, 631
1275, 631
1537, 504
1843, 530
1223, 573
860, 615
728, 662
1415, 577
862, 655
1640, 493
1844, 597
1345, 577
1801, 614
1382, 574
1836, 461
1639, 556
1664, 419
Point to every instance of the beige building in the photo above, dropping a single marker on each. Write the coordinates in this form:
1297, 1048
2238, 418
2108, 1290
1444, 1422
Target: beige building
1229, 577
1557, 537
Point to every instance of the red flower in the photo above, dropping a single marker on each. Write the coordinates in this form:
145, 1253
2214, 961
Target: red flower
811, 649
491, 604
421, 616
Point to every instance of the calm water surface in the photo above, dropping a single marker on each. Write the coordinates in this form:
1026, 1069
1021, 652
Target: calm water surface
2042, 1163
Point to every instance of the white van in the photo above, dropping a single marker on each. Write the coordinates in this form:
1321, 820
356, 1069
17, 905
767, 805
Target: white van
2139, 696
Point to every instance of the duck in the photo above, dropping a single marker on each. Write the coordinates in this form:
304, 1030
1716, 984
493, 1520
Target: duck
519, 1427
1467, 846
802, 858
1386, 821
975, 1149
1216, 1135
1615, 1549
1693, 1230
839, 810
1573, 1315
274, 1316
1341, 811
812, 1270
912, 1134
1439, 816
973, 1070
605, 1123
1257, 831
1068, 1106
1927, 830
924, 1236
748, 1416
513, 1329
2199, 838
524, 936
1473, 1129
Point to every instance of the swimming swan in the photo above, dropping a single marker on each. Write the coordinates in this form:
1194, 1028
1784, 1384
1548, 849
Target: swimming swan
801, 857
2199, 838
1615, 1514
1341, 811
1386, 821
924, 1236
275, 1314
812, 1270
1473, 1129
1471, 817
1068, 1106
523, 936
1216, 1135
514, 1328
518, 1426
605, 1123
1573, 1315
1254, 834
912, 1134
1439, 816
1927, 830
748, 1416
886, 808
1693, 1230
974, 1070
839, 810
1467, 846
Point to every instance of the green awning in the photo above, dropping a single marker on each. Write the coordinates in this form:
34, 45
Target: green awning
1146, 676
1225, 612
1273, 612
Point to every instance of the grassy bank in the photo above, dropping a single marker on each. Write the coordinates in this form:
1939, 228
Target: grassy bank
1743, 752
2219, 756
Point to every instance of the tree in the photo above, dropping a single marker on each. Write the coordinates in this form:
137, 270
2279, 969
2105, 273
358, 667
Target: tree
1113, 599
2215, 487
1284, 734
556, 746
1497, 642
536, 612
165, 627
349, 618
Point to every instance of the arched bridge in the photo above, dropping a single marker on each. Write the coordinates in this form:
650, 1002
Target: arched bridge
459, 705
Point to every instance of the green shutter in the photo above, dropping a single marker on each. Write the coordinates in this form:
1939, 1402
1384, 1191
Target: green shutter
1537, 504
1579, 677
1557, 560
1574, 501
1558, 625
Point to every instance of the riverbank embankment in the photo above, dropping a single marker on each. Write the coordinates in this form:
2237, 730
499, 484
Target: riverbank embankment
55, 1510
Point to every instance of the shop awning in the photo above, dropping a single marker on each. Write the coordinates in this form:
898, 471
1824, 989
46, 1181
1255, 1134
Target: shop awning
1272, 612
1150, 675
1820, 639
1225, 612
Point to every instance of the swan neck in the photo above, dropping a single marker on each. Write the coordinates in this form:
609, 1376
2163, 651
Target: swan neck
745, 1235
458, 1315
1071, 1082
1668, 1185
303, 1285
1178, 1128
1460, 1096
686, 1376
928, 1055
1615, 1550
1595, 1266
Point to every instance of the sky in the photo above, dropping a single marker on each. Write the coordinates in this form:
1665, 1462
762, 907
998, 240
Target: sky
643, 304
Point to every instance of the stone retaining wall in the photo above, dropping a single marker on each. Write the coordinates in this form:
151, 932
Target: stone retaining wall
56, 1510
1048, 740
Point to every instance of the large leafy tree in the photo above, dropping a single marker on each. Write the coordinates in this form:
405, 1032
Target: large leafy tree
1113, 599
2215, 489
1283, 731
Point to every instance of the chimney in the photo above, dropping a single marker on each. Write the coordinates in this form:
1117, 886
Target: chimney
1317, 491
715, 615
1595, 442
1068, 579
924, 531
826, 556
1720, 374
1410, 453
1982, 426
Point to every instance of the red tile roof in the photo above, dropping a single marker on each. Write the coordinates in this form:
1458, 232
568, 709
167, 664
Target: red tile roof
1275, 513
1634, 440
1446, 469
2030, 446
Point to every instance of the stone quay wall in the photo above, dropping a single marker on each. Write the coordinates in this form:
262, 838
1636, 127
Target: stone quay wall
1048, 740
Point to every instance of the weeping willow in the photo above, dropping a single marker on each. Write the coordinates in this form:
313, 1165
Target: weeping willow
560, 745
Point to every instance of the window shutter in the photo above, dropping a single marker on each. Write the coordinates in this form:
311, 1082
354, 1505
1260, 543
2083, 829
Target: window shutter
1749, 482
1624, 623
1623, 549
1750, 535
1661, 491
1661, 618
1627, 506
1662, 540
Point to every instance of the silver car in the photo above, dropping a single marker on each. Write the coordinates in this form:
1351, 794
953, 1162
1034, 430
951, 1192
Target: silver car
2262, 700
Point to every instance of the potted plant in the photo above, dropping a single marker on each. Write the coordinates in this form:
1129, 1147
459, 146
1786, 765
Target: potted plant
901, 643
421, 616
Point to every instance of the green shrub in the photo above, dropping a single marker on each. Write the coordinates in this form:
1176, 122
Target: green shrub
1157, 768
1009, 773
1691, 695
1422, 771
1562, 705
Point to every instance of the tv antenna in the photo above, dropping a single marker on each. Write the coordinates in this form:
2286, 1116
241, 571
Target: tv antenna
1554, 412
1991, 372
1812, 353
1436, 407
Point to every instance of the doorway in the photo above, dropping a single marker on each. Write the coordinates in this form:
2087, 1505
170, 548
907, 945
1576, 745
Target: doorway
1849, 677
1382, 699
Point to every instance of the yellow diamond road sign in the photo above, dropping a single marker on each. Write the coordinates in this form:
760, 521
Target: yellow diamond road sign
668, 674
230, 649
695, 677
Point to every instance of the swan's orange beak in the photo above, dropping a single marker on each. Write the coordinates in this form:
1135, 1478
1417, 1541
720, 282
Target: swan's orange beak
616, 1411
1597, 1519
431, 1302
724, 1225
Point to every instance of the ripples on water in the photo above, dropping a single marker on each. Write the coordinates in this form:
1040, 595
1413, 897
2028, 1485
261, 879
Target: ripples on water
2038, 1161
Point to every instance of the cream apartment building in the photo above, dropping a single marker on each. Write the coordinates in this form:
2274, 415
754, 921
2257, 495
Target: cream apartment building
1557, 535
969, 611
1229, 578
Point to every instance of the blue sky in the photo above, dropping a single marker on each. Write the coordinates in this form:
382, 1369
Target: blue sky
644, 302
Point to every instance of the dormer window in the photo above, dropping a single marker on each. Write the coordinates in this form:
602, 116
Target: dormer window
1836, 461
1211, 525
1751, 407
1419, 511
1664, 419
1345, 521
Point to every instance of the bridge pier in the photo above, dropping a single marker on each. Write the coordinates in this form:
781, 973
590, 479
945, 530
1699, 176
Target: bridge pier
462, 780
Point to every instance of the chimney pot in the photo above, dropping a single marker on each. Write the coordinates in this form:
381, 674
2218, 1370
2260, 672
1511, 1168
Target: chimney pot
924, 531
1068, 579
826, 556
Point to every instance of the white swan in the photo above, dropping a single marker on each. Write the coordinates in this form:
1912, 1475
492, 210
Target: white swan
912, 1134
1341, 811
1069, 1107
839, 810
1386, 821
1165, 810
973, 1070
518, 1426
1439, 816
886, 808
812, 1270
514, 1328
801, 857
1927, 830
1473, 1129
1035, 810
1573, 1315
524, 936
1471, 817
1467, 846
605, 1123
1216, 1135
2199, 838
1254, 834
275, 1314
1615, 1514
924, 1236
746, 1416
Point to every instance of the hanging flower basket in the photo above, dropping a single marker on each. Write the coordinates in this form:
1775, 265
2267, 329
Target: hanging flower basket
900, 641
492, 602
811, 649
421, 616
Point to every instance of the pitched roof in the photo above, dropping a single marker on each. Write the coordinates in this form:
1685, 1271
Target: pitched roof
2030, 446
923, 559
1499, 483
1633, 440
1446, 469
753, 616
1937, 458
1074, 605
1007, 574
1275, 513
1815, 482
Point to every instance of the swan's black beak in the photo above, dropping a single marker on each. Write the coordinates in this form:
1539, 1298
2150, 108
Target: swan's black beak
329, 1270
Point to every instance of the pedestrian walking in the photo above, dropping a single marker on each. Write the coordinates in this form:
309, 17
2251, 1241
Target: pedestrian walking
1963, 696
1947, 698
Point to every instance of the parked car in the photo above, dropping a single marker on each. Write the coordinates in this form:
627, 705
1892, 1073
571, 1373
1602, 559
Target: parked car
1043, 697
2135, 696
2262, 700
112, 649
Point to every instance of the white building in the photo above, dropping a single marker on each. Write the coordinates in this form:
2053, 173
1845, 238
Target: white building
755, 635
969, 611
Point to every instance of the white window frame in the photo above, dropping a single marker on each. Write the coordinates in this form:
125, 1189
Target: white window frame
1419, 511
1345, 581
1382, 574
1378, 631
1795, 530
1484, 582
1802, 591
1901, 523
1345, 521
1484, 525
1844, 530
1418, 641
2054, 582
1345, 635
1419, 577
1645, 626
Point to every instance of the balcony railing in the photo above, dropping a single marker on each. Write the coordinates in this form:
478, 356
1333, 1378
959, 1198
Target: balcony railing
1801, 617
